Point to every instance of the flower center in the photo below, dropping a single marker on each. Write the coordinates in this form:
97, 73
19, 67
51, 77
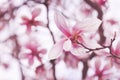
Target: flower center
75, 38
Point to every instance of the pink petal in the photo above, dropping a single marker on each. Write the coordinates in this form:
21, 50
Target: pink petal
42, 51
107, 67
28, 28
35, 12
80, 52
31, 60
67, 45
25, 18
56, 50
90, 43
29, 57
117, 50
39, 23
61, 24
97, 64
25, 55
88, 25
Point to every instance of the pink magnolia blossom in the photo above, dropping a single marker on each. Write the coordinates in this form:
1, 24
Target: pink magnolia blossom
34, 52
32, 22
101, 71
73, 35
116, 51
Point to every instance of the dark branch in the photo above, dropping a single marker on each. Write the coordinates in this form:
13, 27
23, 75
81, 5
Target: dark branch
100, 16
85, 69
52, 61
92, 50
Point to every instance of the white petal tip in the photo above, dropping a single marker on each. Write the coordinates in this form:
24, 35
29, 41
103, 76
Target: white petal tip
67, 45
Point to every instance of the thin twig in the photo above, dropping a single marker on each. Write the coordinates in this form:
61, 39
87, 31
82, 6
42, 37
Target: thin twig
110, 47
92, 50
16, 54
21, 70
52, 61
17, 51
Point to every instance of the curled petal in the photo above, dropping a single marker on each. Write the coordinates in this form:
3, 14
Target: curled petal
61, 24
67, 45
56, 50
87, 25
80, 52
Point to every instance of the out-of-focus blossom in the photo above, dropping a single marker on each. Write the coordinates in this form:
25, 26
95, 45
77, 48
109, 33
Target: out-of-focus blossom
32, 22
73, 35
116, 51
71, 60
5, 65
41, 72
34, 52
101, 2
112, 21
86, 11
114, 56
40, 69
101, 71
58, 2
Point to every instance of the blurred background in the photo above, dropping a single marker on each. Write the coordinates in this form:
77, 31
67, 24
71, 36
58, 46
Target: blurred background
28, 31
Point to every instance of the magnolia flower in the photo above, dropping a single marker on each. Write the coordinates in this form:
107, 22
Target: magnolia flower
101, 68
34, 52
29, 22
73, 35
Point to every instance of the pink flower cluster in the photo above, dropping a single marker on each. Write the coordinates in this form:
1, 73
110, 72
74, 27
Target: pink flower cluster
74, 35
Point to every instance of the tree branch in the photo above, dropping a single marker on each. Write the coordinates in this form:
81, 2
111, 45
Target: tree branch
85, 69
100, 16
52, 61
